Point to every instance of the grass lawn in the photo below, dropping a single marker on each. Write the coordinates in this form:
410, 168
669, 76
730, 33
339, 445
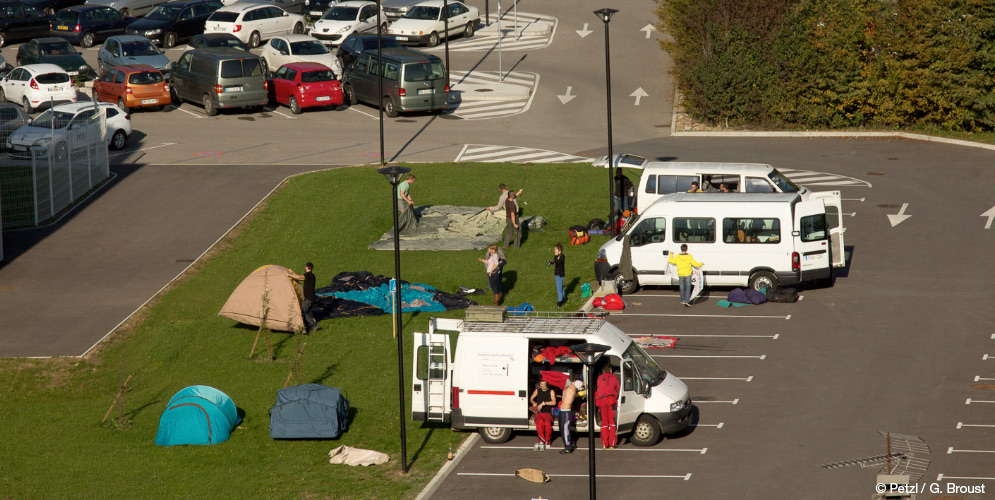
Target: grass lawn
55, 445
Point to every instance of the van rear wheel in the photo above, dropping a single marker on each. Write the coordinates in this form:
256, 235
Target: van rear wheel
388, 107
646, 432
495, 435
209, 106
623, 285
763, 279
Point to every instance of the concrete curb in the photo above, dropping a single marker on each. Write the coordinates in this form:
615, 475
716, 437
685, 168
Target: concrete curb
448, 467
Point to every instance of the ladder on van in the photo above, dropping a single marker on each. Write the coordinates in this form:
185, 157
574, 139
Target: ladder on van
436, 382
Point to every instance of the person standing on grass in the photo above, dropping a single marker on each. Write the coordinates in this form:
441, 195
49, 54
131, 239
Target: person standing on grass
559, 273
504, 197
307, 280
514, 228
404, 192
684, 262
493, 266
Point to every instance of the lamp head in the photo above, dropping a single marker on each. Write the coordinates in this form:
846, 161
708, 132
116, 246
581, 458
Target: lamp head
589, 353
393, 173
605, 14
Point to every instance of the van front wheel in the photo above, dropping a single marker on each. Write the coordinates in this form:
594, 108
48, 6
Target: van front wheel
495, 435
623, 285
646, 432
763, 279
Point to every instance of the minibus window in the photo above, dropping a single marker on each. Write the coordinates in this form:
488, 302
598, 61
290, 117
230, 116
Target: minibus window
666, 184
813, 227
627, 381
684, 183
651, 184
745, 230
648, 231
759, 185
782, 182
697, 230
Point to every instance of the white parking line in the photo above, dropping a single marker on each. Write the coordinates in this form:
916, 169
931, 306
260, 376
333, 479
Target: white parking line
951, 450
978, 378
772, 337
285, 116
962, 424
693, 450
853, 199
745, 379
941, 477
985, 357
661, 315
143, 149
733, 402
717, 426
969, 401
762, 356
600, 476
195, 115
353, 108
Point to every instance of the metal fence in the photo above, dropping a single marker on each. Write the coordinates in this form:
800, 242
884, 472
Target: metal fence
41, 179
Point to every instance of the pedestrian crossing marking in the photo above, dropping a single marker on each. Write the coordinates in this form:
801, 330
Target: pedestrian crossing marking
490, 153
468, 108
809, 178
487, 40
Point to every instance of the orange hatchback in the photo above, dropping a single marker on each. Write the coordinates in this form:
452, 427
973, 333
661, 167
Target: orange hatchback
132, 86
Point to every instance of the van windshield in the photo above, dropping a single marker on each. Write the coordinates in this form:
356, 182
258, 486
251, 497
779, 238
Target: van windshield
648, 370
239, 68
424, 71
782, 182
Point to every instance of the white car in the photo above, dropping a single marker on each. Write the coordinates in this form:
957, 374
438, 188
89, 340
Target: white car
423, 24
253, 22
37, 85
53, 128
298, 48
345, 19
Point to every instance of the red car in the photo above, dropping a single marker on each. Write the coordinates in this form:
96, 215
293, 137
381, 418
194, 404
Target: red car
305, 85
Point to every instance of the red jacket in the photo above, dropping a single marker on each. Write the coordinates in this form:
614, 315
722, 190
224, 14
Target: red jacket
607, 389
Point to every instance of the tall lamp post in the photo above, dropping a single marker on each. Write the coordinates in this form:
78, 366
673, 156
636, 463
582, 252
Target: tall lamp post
394, 175
590, 354
605, 15
445, 15
383, 161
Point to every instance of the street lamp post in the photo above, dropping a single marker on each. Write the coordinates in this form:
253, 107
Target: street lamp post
589, 354
445, 16
605, 15
393, 175
383, 160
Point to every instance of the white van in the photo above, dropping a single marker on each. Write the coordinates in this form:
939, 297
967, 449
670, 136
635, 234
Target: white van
756, 240
487, 381
659, 178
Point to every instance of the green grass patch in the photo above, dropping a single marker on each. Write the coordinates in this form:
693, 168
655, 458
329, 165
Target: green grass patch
55, 445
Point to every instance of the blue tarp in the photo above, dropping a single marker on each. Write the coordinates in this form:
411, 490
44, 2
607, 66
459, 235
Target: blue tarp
197, 415
414, 297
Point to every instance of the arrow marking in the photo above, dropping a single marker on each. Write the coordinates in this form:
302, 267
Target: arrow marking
565, 98
649, 28
900, 218
639, 94
584, 32
991, 215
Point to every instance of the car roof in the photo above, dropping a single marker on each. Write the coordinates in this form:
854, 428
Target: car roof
307, 66
297, 38
353, 3
244, 6
76, 107
82, 8
135, 68
181, 3
224, 53
49, 39
44, 68
216, 36
405, 54
433, 3
128, 38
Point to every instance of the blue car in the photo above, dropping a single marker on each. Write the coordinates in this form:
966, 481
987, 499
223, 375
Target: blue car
88, 24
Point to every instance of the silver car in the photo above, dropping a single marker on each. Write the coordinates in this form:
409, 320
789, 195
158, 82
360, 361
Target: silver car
131, 49
128, 7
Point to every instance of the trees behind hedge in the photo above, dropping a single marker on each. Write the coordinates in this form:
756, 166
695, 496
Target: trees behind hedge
835, 63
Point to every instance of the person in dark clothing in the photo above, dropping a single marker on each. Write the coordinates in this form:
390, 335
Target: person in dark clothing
514, 228
307, 280
625, 194
543, 401
559, 273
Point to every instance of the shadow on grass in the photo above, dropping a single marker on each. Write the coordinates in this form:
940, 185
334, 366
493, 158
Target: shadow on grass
428, 435
509, 278
325, 375
572, 286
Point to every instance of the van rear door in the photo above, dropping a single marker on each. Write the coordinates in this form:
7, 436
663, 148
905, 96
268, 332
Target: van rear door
493, 381
834, 218
431, 387
811, 239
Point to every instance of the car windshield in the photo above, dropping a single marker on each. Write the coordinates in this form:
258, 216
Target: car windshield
341, 14
783, 183
321, 75
308, 48
145, 78
649, 371
139, 48
65, 16
424, 71
61, 119
165, 12
56, 49
52, 78
423, 13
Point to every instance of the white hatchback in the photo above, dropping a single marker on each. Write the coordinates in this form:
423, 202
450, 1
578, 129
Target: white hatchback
37, 85
52, 129
424, 23
298, 48
347, 18
253, 22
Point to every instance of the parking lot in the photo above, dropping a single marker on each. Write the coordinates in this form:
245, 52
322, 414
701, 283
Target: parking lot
903, 343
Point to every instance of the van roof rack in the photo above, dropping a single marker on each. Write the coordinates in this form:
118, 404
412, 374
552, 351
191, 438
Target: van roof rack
545, 322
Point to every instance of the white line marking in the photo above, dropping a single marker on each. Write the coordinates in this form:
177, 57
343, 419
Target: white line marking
979, 378
941, 477
694, 450
143, 149
993, 336
787, 317
717, 426
984, 358
745, 379
285, 116
353, 108
195, 115
853, 199
962, 424
600, 476
764, 356
951, 450
616, 313
969, 401
733, 402
772, 337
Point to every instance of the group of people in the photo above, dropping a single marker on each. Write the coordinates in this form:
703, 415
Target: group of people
544, 401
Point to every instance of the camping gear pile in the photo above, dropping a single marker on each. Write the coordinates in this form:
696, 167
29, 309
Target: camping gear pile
579, 235
362, 293
309, 411
356, 456
610, 302
197, 415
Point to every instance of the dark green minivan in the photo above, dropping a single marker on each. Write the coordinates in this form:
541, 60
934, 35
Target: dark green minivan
219, 78
412, 81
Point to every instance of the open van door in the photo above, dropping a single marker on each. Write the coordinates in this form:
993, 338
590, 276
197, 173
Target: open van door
834, 218
431, 382
631, 401
811, 241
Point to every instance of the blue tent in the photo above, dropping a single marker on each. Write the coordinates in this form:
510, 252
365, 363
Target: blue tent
197, 415
309, 411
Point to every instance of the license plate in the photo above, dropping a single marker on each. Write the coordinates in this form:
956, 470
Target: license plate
149, 101
316, 12
217, 28
73, 73
323, 98
58, 89
401, 38
20, 148
233, 89
426, 91
63, 28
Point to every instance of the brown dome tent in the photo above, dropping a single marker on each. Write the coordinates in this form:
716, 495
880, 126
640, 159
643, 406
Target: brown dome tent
269, 286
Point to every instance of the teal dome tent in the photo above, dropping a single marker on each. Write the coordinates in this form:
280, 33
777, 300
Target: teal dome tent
197, 415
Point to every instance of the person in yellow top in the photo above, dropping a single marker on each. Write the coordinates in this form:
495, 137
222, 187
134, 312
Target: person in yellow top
684, 261
695, 188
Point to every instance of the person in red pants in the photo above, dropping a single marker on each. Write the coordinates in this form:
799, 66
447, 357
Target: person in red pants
543, 400
605, 398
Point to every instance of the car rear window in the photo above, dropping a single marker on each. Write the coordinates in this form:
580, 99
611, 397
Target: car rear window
65, 16
223, 17
52, 78
240, 68
422, 72
145, 78
322, 75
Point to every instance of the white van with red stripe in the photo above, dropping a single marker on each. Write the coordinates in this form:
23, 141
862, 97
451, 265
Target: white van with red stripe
486, 381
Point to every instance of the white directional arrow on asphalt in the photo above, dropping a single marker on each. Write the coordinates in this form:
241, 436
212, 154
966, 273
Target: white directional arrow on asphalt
565, 98
991, 215
649, 28
900, 218
584, 32
639, 94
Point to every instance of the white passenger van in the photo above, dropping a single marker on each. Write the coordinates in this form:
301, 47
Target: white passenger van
486, 382
756, 240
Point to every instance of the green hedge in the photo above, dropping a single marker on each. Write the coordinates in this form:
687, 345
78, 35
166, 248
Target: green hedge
835, 63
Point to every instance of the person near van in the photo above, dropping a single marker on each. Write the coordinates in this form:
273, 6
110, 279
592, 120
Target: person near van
511, 214
625, 195
493, 267
307, 279
694, 187
543, 399
605, 398
504, 197
567, 414
559, 273
684, 261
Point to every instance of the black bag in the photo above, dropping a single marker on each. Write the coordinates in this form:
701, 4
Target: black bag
788, 295
597, 224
